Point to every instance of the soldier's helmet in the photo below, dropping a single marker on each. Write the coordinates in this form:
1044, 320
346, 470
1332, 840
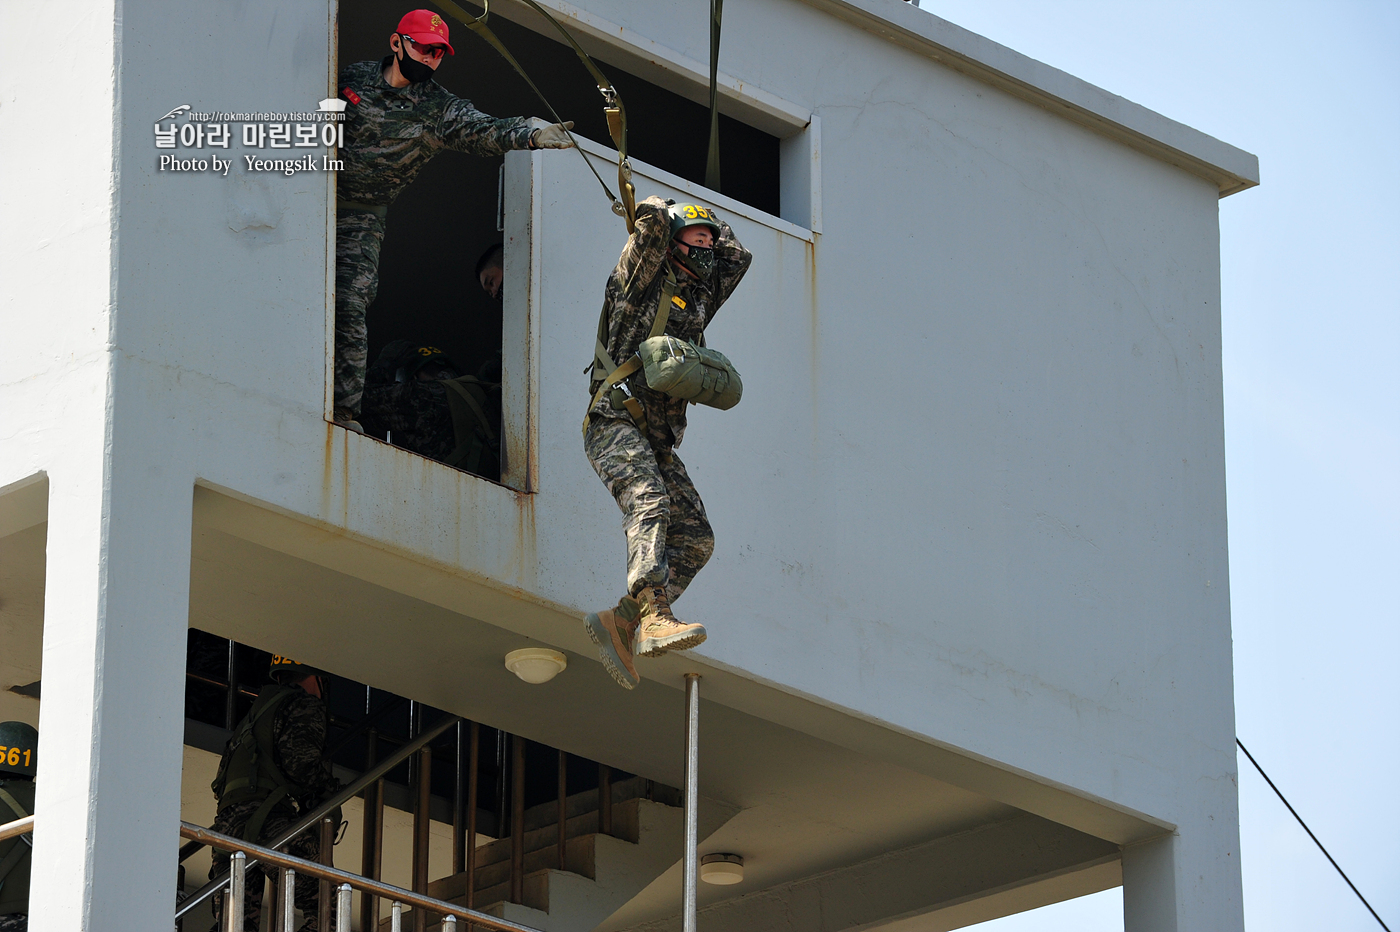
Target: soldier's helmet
692, 215
19, 749
287, 670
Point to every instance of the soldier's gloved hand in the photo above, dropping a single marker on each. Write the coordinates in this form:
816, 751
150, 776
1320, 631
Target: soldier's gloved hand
546, 135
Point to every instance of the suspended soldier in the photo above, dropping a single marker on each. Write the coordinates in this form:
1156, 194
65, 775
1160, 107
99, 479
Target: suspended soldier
19, 758
679, 266
397, 119
274, 770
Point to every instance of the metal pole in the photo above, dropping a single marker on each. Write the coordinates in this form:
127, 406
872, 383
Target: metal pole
323, 889
396, 917
311, 818
604, 799
233, 904
471, 812
692, 799
517, 820
563, 806
459, 815
422, 812
342, 908
289, 900
231, 700
370, 846
274, 883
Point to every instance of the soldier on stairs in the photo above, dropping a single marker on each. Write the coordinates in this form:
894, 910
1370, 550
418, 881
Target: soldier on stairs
274, 770
679, 266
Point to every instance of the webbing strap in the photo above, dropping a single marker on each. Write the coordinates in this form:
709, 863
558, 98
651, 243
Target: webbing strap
626, 207
712, 160
601, 359
467, 454
13, 803
253, 829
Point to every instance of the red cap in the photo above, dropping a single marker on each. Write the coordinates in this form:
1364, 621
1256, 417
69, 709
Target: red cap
426, 28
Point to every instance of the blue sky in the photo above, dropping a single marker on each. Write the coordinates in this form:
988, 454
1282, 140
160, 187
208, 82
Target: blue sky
1310, 278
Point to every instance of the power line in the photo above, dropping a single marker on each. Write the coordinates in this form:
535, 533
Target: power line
1280, 795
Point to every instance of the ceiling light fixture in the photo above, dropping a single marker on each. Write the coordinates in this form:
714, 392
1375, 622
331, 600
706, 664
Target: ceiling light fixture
722, 868
536, 664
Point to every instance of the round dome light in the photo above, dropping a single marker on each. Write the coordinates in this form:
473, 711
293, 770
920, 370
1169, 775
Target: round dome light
536, 664
722, 868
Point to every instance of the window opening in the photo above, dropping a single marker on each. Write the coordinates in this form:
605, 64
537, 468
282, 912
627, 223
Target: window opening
429, 293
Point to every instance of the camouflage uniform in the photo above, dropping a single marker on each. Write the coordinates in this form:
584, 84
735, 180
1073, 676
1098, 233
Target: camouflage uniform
390, 134
299, 728
14, 922
668, 536
415, 414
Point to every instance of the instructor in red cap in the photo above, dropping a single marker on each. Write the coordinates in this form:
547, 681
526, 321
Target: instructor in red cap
397, 118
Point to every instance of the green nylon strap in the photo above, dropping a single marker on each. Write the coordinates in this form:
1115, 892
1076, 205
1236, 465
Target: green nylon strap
617, 373
379, 210
616, 114
13, 803
252, 831
712, 159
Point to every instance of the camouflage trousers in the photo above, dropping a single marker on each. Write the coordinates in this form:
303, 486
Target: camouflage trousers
359, 235
231, 821
14, 922
668, 536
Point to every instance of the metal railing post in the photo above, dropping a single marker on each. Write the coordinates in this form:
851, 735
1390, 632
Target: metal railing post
371, 848
563, 806
422, 812
604, 799
289, 900
472, 782
342, 908
233, 902
396, 917
459, 790
323, 887
692, 800
517, 820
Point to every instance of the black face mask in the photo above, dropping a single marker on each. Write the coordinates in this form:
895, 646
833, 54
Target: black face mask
700, 260
413, 69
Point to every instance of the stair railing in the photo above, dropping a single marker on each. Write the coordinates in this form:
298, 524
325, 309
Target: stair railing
244, 855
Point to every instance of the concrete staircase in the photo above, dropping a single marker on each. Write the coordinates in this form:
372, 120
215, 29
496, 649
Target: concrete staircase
600, 873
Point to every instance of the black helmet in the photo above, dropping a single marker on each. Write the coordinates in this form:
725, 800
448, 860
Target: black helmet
19, 749
287, 670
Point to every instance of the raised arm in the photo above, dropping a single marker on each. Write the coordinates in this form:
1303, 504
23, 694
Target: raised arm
732, 260
645, 251
466, 129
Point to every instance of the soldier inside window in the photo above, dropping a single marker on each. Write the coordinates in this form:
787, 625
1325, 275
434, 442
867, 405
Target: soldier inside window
19, 750
273, 772
397, 119
419, 399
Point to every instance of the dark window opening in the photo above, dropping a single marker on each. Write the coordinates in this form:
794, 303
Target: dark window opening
429, 293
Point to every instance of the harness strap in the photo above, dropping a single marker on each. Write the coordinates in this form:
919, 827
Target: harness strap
469, 447
712, 159
252, 831
617, 374
626, 207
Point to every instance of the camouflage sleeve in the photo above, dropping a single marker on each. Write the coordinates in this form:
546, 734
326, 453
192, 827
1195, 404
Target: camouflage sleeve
645, 251
466, 129
301, 742
732, 260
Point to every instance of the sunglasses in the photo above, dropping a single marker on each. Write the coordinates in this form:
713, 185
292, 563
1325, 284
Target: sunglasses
430, 52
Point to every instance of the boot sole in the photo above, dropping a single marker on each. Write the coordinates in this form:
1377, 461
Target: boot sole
598, 634
655, 647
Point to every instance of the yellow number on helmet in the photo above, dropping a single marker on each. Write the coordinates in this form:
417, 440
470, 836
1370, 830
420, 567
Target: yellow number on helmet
690, 213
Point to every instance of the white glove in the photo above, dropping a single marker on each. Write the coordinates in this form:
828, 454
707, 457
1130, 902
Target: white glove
546, 135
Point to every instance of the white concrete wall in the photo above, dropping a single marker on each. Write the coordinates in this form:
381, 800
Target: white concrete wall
975, 490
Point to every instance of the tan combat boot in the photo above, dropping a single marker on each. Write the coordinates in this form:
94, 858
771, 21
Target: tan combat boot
343, 418
615, 633
660, 630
